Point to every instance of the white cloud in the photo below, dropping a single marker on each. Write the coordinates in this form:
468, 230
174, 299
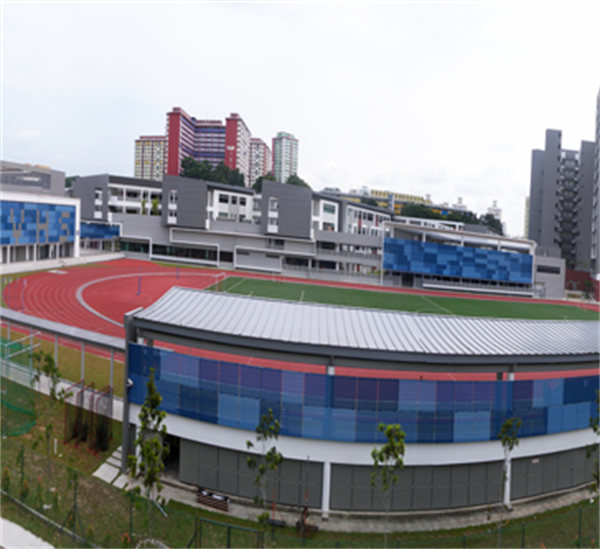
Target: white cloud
446, 99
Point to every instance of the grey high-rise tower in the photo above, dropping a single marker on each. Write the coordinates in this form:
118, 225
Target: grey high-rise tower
595, 232
560, 200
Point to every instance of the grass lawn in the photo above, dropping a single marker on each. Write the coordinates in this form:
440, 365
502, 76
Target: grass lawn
313, 293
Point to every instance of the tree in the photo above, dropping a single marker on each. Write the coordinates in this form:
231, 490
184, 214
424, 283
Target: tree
155, 204
297, 181
367, 200
268, 459
45, 367
257, 186
386, 460
508, 438
151, 448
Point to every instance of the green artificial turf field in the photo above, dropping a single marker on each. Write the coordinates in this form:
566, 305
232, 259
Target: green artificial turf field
312, 293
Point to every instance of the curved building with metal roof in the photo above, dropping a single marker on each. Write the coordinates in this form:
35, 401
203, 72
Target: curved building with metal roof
359, 371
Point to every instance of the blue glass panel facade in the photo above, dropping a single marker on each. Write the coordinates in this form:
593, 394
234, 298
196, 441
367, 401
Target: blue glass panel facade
99, 231
351, 408
24, 223
456, 261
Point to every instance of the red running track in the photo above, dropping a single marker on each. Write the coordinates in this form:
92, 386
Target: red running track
117, 287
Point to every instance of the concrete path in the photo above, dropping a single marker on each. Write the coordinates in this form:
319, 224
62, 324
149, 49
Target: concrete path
13, 535
43, 264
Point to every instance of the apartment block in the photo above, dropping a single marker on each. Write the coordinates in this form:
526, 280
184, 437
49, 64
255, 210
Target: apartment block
150, 157
237, 146
595, 225
261, 162
285, 156
560, 200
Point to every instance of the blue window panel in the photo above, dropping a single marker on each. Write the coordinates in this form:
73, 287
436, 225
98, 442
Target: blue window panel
208, 409
463, 396
387, 417
444, 427
444, 396
408, 421
250, 381
291, 419
366, 426
189, 370
417, 395
555, 419
271, 380
471, 426
408, 395
483, 396
343, 423
170, 366
502, 396
534, 422
344, 392
209, 370
314, 422
228, 410
367, 391
293, 387
498, 417
189, 401
522, 395
314, 390
135, 362
388, 395
553, 392
583, 415
274, 406
425, 427
229, 373
137, 392
569, 417
249, 413
170, 396
580, 389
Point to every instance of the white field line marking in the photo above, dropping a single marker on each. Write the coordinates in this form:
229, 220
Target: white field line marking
235, 285
302, 296
436, 305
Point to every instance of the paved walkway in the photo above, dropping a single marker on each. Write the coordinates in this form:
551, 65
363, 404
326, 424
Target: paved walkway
13, 535
44, 264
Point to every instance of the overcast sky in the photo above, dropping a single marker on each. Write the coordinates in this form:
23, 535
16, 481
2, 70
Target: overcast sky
446, 99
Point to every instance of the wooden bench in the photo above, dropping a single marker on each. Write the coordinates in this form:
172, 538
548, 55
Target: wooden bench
210, 499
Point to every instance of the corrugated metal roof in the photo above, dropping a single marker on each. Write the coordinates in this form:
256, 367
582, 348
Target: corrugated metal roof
369, 329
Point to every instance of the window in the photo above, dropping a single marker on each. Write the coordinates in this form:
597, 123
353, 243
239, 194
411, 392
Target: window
329, 208
224, 198
173, 197
234, 199
242, 200
548, 269
273, 204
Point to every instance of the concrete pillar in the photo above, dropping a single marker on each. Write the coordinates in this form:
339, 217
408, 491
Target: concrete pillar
35, 252
326, 490
8, 254
83, 360
112, 365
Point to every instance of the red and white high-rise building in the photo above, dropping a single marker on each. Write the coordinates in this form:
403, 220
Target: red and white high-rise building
237, 146
207, 140
181, 139
260, 160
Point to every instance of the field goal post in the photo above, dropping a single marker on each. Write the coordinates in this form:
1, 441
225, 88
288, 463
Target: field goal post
219, 285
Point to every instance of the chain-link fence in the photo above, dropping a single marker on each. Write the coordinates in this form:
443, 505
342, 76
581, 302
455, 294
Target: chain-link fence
95, 513
16, 374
